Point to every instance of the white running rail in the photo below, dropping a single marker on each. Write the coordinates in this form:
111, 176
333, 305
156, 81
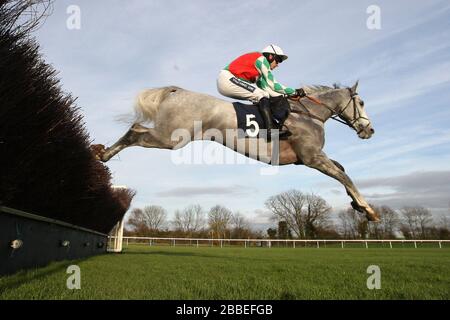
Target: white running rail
275, 242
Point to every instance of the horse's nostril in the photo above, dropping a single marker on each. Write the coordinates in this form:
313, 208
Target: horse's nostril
372, 131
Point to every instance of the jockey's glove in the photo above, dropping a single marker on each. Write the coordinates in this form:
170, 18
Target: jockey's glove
300, 92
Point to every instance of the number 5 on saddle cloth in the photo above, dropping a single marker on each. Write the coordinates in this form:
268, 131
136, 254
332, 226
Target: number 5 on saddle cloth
249, 118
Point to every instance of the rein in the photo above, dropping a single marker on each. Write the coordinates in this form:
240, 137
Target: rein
334, 115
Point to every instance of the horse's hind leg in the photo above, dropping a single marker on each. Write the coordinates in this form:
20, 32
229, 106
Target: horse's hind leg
128, 139
137, 135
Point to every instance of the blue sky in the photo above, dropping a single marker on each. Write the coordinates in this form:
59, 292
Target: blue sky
403, 68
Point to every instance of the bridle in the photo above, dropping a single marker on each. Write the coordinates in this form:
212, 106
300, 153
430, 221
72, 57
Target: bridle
337, 116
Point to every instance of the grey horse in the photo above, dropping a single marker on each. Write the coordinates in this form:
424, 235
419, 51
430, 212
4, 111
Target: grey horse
174, 114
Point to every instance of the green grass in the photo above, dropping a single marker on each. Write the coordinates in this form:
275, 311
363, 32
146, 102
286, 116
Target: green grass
144, 272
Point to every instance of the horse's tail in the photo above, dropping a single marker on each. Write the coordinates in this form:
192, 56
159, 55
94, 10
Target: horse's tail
148, 102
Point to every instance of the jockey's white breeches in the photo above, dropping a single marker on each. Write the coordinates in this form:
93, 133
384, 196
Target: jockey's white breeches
235, 88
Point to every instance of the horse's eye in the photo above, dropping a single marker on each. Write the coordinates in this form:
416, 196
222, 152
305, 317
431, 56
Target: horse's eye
362, 103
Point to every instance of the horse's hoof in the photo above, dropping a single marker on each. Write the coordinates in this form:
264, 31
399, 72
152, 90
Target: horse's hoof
98, 150
372, 215
372, 218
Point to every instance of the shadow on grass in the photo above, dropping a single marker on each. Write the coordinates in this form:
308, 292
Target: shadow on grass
192, 255
16, 280
173, 254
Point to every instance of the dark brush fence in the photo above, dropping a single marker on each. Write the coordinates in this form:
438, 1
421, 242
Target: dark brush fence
46, 167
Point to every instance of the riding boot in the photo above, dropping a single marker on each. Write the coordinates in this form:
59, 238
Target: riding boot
264, 109
283, 134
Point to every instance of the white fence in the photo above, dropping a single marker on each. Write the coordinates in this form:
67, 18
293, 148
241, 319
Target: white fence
197, 242
115, 238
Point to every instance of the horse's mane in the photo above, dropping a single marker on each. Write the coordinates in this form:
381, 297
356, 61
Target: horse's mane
321, 88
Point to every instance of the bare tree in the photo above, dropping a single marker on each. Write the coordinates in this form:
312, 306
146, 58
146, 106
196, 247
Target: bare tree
317, 215
443, 227
416, 221
303, 213
346, 224
389, 222
283, 230
190, 219
239, 221
219, 220
241, 226
353, 225
272, 233
24, 16
444, 221
153, 218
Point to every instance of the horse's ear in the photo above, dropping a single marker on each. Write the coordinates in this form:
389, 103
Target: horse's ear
355, 87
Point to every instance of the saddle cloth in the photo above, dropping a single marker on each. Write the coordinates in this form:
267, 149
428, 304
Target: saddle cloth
250, 120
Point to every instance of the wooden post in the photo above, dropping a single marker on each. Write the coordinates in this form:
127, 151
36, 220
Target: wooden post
367, 245
390, 244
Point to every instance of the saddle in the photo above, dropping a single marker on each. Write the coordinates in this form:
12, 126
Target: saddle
250, 120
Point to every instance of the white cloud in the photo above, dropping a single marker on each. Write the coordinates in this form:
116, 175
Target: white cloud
425, 188
186, 192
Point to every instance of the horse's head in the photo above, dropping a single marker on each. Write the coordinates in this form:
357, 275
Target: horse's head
352, 111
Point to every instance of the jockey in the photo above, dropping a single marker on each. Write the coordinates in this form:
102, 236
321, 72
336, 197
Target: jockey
250, 77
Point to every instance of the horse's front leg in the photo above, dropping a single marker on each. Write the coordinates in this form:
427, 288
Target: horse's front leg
327, 166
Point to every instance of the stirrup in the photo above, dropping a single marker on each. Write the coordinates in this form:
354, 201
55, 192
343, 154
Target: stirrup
282, 134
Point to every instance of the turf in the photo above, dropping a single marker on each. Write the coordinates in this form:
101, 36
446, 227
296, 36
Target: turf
161, 272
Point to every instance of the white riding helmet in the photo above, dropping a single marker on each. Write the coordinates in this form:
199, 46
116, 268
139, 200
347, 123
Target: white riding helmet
273, 49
